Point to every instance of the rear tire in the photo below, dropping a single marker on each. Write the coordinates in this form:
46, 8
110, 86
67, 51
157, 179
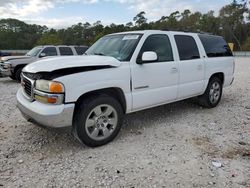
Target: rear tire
97, 120
213, 93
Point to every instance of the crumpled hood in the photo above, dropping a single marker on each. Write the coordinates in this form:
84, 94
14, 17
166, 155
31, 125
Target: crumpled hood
57, 63
7, 58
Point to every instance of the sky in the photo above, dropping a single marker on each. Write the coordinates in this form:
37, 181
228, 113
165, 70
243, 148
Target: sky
64, 13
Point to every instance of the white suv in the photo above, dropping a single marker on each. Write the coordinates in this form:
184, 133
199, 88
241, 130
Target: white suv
123, 73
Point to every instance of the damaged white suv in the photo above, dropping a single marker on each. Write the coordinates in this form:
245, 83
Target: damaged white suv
123, 73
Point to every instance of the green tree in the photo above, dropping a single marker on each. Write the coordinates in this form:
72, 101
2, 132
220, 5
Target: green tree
232, 21
140, 19
246, 45
15, 34
49, 39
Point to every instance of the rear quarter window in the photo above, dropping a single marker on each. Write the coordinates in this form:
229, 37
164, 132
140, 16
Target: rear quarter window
80, 50
215, 46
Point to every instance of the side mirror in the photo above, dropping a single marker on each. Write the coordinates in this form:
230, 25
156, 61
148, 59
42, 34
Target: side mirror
148, 57
42, 55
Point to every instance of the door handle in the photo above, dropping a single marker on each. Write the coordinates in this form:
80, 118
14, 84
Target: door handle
174, 70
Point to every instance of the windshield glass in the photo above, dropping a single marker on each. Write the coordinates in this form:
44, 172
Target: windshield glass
120, 46
34, 51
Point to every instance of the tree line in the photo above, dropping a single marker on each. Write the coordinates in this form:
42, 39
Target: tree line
232, 23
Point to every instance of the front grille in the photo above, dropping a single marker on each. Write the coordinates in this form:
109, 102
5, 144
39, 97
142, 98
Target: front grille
27, 86
32, 76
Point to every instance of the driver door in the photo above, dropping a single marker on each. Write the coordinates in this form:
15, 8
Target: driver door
155, 83
48, 51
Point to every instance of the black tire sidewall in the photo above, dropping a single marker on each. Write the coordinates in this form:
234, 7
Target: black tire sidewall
12, 77
18, 74
83, 111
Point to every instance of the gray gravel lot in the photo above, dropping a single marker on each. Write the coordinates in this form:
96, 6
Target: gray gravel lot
168, 146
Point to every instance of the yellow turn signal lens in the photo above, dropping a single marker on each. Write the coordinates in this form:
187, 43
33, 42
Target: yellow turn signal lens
56, 87
51, 100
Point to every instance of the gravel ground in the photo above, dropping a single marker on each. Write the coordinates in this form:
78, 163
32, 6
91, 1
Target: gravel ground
168, 146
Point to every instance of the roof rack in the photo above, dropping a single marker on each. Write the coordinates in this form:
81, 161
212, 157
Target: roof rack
180, 30
203, 32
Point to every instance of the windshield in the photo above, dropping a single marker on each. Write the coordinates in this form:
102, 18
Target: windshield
120, 46
34, 51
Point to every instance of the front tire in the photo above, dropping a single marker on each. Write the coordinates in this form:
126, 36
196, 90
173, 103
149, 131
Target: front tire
18, 74
213, 93
98, 120
12, 77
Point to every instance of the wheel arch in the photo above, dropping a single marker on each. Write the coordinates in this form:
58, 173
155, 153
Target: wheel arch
219, 75
115, 92
19, 66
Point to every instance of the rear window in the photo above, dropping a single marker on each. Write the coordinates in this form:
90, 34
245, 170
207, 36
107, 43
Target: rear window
187, 47
65, 51
215, 46
81, 50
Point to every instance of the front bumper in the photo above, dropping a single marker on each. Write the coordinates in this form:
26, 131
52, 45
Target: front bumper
4, 72
45, 114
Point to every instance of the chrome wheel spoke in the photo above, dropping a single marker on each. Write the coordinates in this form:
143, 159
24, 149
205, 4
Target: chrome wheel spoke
211, 98
106, 132
95, 132
108, 112
98, 111
90, 123
112, 121
217, 86
211, 92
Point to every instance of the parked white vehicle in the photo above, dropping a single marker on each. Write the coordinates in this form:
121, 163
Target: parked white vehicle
123, 73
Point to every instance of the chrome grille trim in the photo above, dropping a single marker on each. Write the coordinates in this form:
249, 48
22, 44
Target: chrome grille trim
28, 87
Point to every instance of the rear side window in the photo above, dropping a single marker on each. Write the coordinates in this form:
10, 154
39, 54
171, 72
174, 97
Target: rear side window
187, 47
65, 51
50, 51
159, 44
215, 46
81, 50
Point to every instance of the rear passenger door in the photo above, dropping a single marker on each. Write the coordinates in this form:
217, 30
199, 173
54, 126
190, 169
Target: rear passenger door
155, 83
191, 79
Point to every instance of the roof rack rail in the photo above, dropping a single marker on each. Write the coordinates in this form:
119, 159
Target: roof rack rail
180, 30
203, 32
188, 31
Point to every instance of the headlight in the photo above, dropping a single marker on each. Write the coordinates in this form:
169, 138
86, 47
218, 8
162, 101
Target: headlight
6, 65
49, 92
49, 86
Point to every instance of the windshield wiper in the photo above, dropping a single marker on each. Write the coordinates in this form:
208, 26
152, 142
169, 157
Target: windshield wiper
99, 54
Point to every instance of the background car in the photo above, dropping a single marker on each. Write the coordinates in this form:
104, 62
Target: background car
12, 65
4, 54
